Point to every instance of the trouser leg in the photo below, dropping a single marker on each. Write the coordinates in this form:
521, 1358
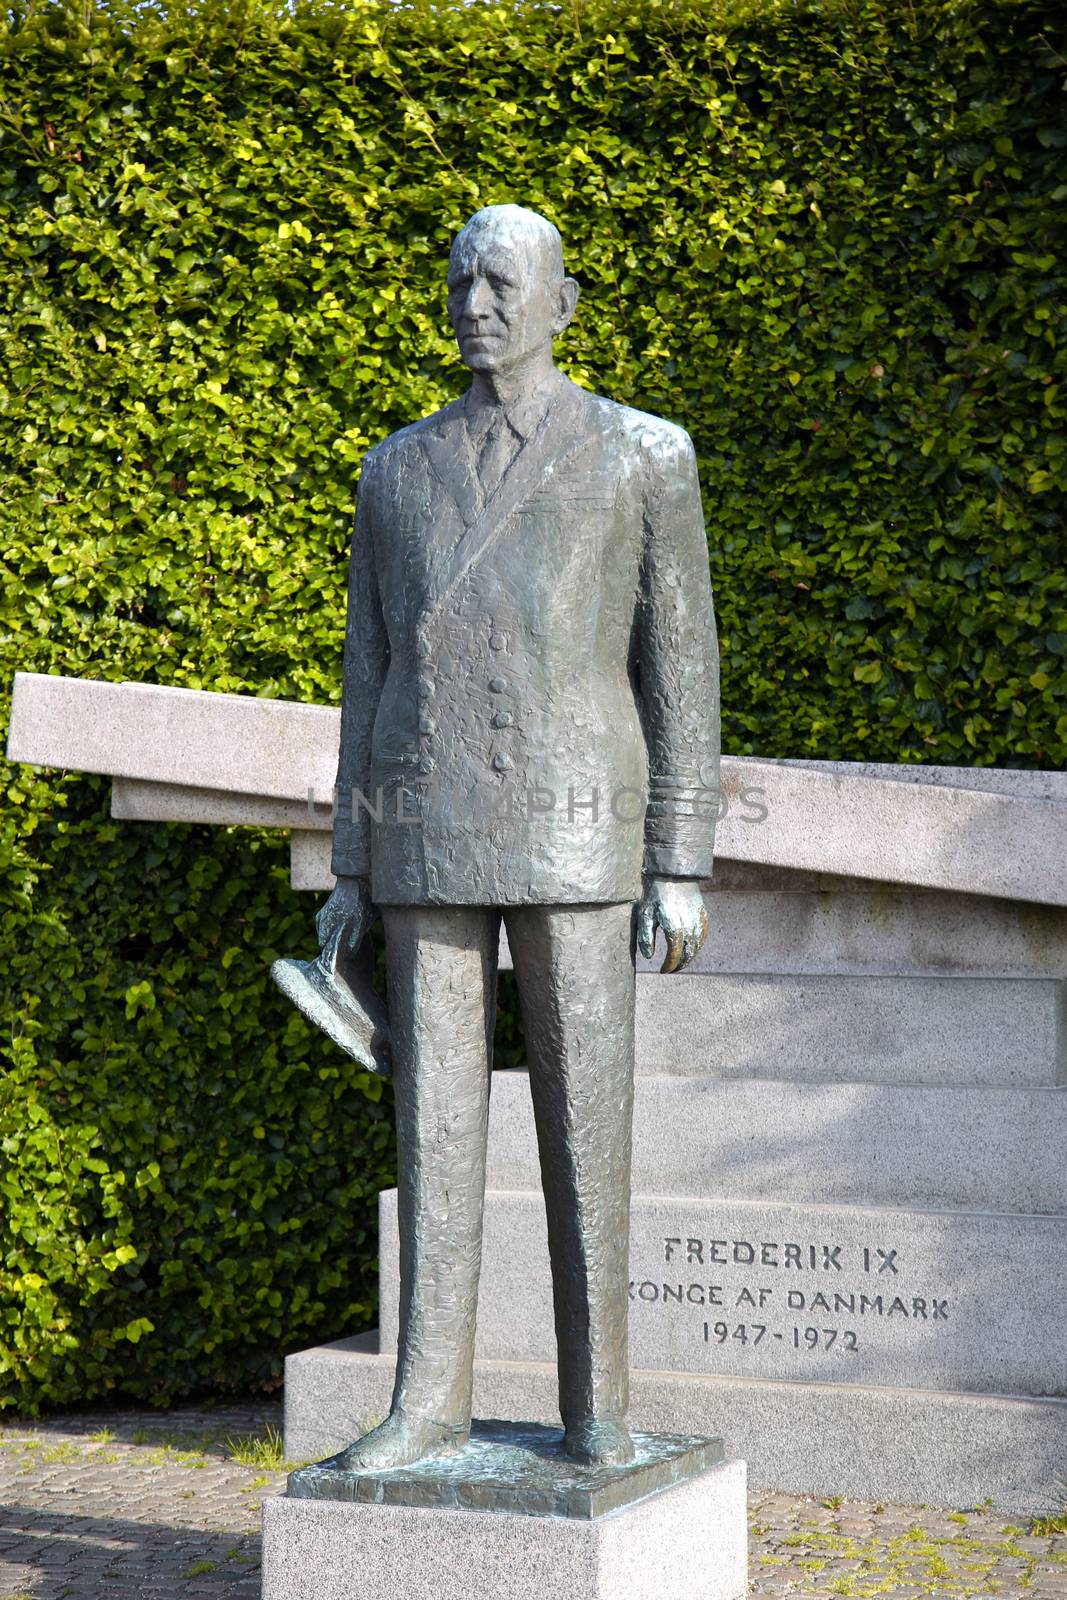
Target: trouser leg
441, 963
574, 967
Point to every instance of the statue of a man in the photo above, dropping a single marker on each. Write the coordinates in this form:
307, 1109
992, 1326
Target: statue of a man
529, 733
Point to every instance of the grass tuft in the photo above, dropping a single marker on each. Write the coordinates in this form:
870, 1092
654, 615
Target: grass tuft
259, 1450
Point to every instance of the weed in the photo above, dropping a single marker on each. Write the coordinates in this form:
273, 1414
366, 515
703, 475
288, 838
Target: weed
200, 1568
256, 1450
165, 1455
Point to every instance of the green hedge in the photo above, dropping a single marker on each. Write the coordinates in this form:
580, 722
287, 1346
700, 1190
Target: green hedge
828, 238
187, 1176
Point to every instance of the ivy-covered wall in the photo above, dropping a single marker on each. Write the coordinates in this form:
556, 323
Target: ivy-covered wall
827, 238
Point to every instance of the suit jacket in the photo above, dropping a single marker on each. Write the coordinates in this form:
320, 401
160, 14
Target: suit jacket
530, 694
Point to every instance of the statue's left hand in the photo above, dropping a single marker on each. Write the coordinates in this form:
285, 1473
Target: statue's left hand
677, 906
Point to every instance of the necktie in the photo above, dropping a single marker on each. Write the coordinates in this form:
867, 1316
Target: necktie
496, 453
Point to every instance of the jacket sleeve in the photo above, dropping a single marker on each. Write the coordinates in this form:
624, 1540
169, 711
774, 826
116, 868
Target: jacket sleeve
366, 660
677, 666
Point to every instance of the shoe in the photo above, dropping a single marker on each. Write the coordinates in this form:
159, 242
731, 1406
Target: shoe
599, 1442
399, 1441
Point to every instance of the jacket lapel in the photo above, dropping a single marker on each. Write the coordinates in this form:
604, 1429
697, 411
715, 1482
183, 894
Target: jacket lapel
553, 439
447, 448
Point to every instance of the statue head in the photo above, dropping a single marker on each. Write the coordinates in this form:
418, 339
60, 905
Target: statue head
508, 294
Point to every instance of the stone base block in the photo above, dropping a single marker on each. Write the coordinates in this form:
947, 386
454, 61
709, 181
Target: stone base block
881, 931
965, 1030
870, 1443
764, 1289
687, 1543
862, 1144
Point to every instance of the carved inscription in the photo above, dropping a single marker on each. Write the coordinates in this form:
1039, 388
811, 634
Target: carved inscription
813, 1297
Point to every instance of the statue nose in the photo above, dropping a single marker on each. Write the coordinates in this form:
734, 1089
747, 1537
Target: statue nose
479, 300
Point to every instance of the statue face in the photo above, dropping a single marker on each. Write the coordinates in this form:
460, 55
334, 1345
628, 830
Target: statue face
502, 302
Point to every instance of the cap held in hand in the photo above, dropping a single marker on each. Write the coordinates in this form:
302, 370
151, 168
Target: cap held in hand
335, 992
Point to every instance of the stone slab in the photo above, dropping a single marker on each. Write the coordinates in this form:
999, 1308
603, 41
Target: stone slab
520, 1468
689, 1543
813, 1143
235, 743
840, 1294
856, 927
175, 802
978, 840
877, 932
888, 1029
136, 800
309, 860
999, 780
878, 1443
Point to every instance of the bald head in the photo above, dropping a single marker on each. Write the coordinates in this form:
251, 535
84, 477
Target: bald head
517, 229
508, 294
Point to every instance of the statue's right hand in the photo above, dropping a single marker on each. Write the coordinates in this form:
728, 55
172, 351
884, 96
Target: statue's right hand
344, 919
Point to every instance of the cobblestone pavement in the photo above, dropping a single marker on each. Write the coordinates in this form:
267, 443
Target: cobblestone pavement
144, 1505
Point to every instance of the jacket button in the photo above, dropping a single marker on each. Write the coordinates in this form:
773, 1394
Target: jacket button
498, 685
502, 762
427, 725
424, 688
427, 764
503, 719
497, 641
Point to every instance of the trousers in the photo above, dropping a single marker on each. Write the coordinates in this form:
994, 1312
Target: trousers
574, 967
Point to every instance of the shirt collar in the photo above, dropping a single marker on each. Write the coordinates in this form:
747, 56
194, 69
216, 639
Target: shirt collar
524, 415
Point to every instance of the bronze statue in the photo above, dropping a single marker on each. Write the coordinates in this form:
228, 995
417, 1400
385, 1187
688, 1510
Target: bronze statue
529, 733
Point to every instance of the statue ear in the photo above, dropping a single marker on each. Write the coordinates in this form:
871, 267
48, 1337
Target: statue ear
568, 299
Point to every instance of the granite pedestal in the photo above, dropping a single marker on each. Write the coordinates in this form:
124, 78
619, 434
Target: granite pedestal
510, 1515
